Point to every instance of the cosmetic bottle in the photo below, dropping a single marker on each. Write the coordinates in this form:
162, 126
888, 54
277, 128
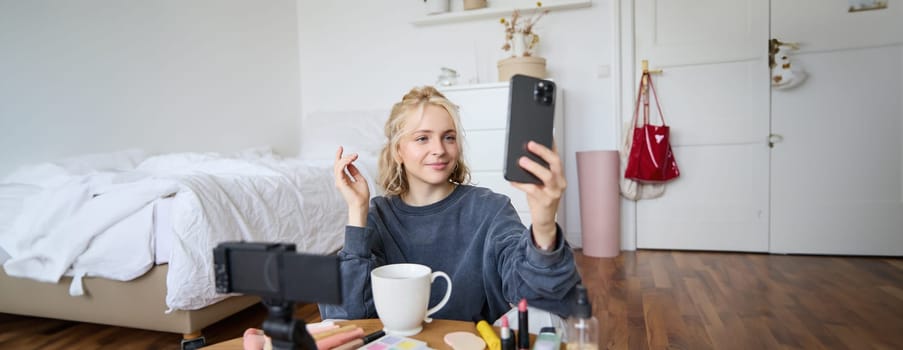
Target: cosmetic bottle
582, 332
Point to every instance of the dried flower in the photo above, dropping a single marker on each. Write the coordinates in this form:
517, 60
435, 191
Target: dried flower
524, 30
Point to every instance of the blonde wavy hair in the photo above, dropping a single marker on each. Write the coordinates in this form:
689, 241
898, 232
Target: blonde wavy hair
392, 178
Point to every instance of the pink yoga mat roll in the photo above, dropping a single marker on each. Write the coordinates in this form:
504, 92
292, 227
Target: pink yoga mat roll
600, 202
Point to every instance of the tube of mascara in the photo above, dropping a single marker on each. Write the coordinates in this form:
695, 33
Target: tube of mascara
507, 339
523, 329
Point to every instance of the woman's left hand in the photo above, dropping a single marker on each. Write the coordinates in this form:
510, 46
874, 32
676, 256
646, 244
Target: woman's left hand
543, 199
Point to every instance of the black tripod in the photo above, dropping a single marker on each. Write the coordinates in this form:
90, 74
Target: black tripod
287, 332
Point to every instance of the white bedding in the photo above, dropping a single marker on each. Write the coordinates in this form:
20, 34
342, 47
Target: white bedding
163, 230
102, 222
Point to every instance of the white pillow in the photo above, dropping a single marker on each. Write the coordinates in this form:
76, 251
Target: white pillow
254, 153
121, 160
368, 165
49, 173
357, 131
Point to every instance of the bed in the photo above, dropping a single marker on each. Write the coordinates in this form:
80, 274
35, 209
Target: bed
126, 239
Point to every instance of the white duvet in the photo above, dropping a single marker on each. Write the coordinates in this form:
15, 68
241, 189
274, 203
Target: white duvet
100, 222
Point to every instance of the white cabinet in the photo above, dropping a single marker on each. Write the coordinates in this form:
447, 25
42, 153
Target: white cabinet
484, 118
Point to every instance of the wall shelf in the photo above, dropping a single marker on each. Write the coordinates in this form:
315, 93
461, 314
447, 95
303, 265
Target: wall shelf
498, 11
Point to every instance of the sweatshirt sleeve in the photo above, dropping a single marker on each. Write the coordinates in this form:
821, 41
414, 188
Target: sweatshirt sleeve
547, 279
356, 260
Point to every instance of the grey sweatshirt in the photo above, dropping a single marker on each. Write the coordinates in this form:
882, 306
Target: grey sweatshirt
473, 235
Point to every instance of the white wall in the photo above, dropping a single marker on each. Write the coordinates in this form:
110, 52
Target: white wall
207, 75
367, 54
164, 75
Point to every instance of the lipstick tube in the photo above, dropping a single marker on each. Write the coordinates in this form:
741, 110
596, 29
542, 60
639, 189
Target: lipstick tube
523, 329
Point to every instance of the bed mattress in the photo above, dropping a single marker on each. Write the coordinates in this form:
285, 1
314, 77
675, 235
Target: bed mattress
113, 303
170, 209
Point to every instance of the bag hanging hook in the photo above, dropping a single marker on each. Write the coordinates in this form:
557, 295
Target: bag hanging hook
646, 71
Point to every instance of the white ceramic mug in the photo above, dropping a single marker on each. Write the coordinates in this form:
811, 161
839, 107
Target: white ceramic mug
401, 293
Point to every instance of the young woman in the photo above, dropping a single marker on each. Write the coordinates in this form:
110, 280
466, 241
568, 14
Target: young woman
429, 215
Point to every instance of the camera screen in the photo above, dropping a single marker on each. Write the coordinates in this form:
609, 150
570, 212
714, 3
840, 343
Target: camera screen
257, 272
276, 271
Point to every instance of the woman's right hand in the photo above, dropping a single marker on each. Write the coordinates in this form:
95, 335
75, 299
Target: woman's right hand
354, 189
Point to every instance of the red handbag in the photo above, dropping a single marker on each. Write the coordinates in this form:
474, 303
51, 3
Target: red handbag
650, 158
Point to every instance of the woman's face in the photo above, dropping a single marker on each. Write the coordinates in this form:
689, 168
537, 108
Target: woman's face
429, 147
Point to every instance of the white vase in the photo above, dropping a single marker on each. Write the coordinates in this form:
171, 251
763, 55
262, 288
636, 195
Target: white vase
436, 6
518, 44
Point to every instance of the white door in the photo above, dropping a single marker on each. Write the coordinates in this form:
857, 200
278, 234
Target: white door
835, 182
714, 92
837, 176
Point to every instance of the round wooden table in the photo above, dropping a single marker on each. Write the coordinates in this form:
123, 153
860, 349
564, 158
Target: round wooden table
433, 333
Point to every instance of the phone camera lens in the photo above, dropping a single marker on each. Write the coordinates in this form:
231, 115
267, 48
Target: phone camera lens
542, 93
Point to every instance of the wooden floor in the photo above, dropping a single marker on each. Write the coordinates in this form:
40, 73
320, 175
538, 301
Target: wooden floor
643, 300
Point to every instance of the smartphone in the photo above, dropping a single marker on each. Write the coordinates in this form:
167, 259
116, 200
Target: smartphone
547, 339
531, 113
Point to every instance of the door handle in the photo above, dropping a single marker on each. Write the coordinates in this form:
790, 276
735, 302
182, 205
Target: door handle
773, 139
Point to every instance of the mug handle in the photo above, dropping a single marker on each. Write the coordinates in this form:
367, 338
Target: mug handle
444, 300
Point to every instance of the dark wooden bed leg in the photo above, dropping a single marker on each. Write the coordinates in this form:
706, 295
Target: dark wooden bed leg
193, 340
